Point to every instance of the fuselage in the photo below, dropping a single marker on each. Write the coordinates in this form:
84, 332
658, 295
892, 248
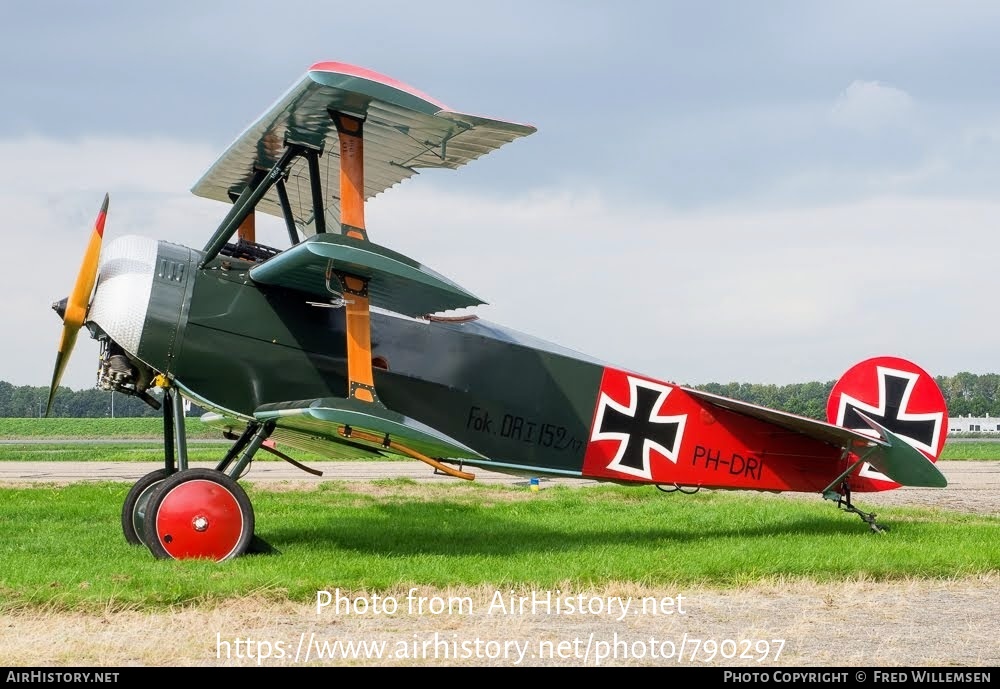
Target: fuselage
528, 405
237, 345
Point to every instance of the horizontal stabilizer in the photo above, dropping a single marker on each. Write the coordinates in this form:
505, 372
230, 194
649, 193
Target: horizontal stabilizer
396, 282
902, 462
837, 436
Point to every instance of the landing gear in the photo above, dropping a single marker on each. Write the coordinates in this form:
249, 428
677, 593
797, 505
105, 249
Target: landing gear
180, 513
199, 513
134, 509
843, 500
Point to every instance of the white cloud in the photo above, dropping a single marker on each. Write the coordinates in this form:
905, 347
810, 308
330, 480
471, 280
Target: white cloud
760, 295
101, 162
869, 106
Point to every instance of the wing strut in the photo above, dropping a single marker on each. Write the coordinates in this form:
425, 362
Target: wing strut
247, 231
352, 261
247, 201
286, 212
360, 380
350, 130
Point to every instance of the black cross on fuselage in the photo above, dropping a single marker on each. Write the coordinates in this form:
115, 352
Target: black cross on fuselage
639, 428
921, 430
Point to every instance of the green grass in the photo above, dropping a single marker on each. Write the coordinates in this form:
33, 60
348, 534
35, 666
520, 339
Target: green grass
972, 449
136, 451
63, 548
120, 428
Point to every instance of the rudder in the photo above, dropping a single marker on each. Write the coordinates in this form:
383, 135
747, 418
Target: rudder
902, 398
897, 394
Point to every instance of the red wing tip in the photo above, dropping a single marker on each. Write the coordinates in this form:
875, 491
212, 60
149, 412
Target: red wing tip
372, 75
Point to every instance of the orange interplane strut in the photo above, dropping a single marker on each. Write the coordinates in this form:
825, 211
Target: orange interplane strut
352, 174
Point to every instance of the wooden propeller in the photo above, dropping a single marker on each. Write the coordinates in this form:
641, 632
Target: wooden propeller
73, 309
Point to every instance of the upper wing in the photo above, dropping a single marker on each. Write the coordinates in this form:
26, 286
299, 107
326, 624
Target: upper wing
886, 451
404, 130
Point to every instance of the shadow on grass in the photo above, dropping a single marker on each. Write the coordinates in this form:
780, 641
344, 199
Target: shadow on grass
429, 528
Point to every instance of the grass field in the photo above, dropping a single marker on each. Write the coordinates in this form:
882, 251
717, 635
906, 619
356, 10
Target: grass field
73, 592
120, 428
972, 449
134, 451
62, 548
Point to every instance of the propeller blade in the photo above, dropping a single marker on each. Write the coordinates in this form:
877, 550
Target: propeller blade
66, 343
74, 308
79, 298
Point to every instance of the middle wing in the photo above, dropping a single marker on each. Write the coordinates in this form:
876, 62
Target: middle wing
395, 282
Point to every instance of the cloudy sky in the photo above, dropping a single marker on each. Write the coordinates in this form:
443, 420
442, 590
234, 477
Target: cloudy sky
717, 191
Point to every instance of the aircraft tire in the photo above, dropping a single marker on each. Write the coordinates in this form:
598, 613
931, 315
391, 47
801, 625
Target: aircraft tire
199, 513
135, 505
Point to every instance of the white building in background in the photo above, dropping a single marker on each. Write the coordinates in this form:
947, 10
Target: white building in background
973, 424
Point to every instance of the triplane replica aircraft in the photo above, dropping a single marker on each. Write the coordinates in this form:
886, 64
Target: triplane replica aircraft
343, 347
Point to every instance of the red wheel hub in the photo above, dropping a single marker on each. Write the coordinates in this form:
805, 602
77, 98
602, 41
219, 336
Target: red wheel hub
199, 519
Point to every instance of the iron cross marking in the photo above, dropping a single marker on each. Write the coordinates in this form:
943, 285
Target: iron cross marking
894, 416
638, 428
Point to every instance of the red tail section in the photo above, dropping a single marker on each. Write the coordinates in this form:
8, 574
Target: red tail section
899, 395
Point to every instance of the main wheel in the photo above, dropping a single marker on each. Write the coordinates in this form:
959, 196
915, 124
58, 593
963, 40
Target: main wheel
198, 513
134, 508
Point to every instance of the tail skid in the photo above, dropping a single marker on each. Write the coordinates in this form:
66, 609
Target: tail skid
843, 500
893, 457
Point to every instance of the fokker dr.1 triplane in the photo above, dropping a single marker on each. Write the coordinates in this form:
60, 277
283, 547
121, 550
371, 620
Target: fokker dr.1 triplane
340, 346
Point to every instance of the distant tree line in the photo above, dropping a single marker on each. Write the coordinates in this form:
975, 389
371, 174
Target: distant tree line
971, 394
27, 401
966, 394
804, 399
